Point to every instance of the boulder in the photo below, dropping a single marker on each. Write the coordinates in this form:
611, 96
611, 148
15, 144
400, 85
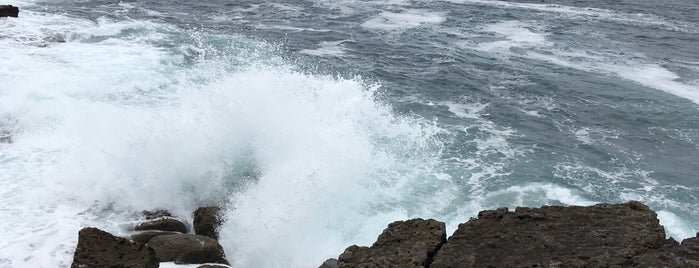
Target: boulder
603, 235
162, 224
404, 244
144, 237
97, 248
187, 248
329, 263
207, 221
9, 11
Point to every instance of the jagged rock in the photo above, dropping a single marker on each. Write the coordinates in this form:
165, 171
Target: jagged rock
97, 248
329, 263
597, 236
404, 244
162, 224
207, 221
9, 11
144, 237
159, 213
187, 248
691, 246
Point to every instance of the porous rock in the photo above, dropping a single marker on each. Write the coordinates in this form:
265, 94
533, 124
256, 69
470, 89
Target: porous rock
9, 11
404, 244
187, 248
207, 221
162, 224
602, 235
97, 248
144, 237
155, 214
329, 263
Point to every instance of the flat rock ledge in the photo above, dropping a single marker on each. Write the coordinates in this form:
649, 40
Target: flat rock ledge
604, 235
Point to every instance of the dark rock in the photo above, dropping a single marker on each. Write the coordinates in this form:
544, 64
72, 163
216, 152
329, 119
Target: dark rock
187, 248
329, 263
162, 224
97, 248
411, 243
160, 213
597, 236
207, 221
9, 11
144, 237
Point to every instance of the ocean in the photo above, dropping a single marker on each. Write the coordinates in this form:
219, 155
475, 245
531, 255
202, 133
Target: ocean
319, 122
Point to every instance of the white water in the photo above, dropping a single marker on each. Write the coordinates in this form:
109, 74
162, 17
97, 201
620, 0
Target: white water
309, 164
108, 124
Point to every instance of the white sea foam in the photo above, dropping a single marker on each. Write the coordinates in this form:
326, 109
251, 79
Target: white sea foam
589, 13
403, 20
310, 164
514, 34
327, 49
528, 38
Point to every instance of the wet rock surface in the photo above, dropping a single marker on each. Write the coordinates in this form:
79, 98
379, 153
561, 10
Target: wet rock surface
187, 248
604, 235
410, 243
97, 248
162, 224
207, 221
155, 214
144, 237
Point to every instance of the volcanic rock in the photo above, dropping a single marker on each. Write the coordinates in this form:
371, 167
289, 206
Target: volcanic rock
329, 263
603, 235
207, 220
404, 244
159, 213
144, 237
9, 11
97, 248
162, 224
187, 248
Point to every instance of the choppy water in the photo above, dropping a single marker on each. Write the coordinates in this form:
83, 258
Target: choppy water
319, 122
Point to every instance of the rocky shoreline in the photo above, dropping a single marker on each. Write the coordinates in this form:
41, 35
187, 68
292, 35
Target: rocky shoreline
160, 238
603, 235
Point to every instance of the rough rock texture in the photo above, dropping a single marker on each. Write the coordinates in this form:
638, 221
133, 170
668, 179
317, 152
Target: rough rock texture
159, 213
404, 244
597, 236
144, 237
9, 11
187, 248
162, 224
97, 248
207, 221
329, 263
